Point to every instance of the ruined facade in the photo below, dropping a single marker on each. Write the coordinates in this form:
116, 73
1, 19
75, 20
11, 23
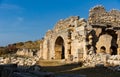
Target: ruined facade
72, 39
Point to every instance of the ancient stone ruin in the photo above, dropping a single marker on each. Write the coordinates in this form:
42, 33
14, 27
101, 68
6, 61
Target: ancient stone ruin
27, 52
74, 38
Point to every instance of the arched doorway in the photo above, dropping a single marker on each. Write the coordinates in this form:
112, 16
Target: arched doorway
59, 48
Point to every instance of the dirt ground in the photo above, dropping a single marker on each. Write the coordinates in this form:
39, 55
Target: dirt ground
59, 68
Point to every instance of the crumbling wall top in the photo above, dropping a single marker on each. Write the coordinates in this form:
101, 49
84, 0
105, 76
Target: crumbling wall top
48, 33
65, 23
98, 15
97, 8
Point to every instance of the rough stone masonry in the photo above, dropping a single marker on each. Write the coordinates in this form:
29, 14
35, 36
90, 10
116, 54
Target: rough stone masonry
73, 38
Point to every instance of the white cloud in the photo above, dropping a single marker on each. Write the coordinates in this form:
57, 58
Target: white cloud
10, 6
20, 18
17, 22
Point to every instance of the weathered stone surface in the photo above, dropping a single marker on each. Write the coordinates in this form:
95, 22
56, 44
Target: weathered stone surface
27, 52
98, 15
28, 61
74, 38
57, 43
104, 41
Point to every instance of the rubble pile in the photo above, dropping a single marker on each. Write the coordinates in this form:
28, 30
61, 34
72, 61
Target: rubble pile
101, 59
26, 61
93, 60
114, 60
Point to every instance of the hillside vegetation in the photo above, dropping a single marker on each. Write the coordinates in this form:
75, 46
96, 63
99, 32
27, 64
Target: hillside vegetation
12, 48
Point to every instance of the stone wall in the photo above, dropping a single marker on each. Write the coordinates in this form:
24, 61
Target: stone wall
27, 52
73, 38
72, 32
104, 41
98, 15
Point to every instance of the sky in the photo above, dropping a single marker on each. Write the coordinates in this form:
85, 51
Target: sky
24, 20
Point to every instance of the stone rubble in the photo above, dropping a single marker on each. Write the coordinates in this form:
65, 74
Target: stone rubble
26, 61
101, 59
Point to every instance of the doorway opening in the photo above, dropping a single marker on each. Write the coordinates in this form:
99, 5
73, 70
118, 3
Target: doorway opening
59, 48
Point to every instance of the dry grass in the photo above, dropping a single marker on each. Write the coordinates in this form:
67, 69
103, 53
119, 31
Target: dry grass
51, 63
59, 68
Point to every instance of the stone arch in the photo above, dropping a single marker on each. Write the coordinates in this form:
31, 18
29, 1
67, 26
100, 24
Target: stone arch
59, 48
103, 49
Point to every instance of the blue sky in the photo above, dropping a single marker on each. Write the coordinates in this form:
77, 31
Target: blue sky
23, 20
